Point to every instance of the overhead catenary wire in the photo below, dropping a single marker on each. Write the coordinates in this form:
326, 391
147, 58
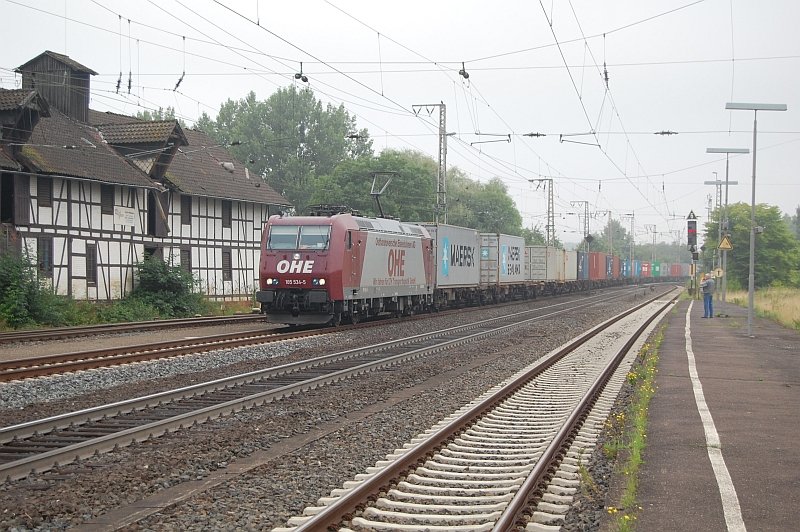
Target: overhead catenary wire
476, 105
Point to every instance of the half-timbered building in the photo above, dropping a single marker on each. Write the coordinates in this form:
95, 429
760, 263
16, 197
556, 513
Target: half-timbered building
87, 195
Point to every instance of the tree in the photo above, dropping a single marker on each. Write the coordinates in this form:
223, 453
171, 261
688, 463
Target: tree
161, 114
614, 237
289, 138
409, 196
793, 222
777, 250
483, 206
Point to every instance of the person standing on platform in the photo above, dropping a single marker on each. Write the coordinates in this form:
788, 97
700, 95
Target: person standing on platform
707, 285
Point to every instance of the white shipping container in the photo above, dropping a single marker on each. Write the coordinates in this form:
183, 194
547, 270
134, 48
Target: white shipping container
558, 263
544, 263
502, 259
571, 265
457, 253
536, 263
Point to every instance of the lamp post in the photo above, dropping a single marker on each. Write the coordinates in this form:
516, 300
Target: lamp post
727, 152
751, 279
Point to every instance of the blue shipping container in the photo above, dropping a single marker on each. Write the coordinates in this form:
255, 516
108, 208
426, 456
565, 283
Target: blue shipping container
626, 268
583, 266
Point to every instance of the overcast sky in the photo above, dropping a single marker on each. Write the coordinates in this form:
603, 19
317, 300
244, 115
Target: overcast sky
534, 67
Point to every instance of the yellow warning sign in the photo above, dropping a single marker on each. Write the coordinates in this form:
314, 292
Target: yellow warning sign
725, 244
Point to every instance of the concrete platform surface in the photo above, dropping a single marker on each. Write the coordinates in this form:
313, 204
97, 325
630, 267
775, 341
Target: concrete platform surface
722, 451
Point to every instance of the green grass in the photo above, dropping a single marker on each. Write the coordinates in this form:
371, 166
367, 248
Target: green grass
627, 432
777, 304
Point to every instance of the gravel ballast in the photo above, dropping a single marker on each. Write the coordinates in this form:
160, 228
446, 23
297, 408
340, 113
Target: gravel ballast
327, 435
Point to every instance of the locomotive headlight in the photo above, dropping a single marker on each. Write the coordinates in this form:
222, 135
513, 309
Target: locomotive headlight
271, 281
318, 282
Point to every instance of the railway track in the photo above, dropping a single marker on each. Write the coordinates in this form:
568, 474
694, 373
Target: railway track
38, 445
66, 362
507, 461
40, 366
61, 333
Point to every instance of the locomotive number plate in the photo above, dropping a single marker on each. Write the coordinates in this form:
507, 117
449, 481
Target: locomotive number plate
295, 281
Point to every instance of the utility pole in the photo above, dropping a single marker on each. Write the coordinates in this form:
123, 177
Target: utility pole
718, 195
652, 227
610, 231
441, 189
631, 216
550, 228
725, 221
585, 222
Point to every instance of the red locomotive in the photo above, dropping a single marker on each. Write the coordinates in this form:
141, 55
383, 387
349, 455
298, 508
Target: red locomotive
325, 269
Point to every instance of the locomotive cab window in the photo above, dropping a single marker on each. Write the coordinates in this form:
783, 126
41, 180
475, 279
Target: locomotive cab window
299, 237
314, 236
283, 237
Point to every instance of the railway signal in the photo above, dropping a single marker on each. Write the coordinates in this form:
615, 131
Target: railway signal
691, 231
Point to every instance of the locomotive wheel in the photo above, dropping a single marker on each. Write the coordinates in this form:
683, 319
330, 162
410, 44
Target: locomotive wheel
336, 319
355, 318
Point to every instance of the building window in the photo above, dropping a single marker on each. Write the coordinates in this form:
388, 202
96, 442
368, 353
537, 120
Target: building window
44, 191
153, 252
186, 209
227, 269
44, 256
107, 199
226, 213
91, 264
186, 259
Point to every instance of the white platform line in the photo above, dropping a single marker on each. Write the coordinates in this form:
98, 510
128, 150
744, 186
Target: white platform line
730, 501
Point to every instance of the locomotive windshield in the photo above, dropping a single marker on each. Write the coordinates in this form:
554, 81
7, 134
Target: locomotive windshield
299, 237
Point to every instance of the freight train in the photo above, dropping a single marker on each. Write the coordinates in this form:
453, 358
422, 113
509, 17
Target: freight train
344, 267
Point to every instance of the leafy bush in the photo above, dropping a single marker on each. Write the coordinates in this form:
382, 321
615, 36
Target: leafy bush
127, 310
18, 290
26, 302
168, 289
162, 291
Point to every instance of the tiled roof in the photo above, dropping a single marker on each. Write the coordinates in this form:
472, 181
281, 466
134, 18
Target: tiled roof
197, 170
62, 146
13, 99
142, 132
7, 162
99, 118
74, 65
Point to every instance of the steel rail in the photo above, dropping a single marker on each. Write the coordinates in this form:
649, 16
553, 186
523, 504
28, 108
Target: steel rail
40, 462
344, 507
82, 360
24, 430
520, 504
59, 333
100, 358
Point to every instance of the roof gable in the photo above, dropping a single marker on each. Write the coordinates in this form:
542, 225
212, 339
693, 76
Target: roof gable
65, 59
156, 132
62, 146
16, 99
